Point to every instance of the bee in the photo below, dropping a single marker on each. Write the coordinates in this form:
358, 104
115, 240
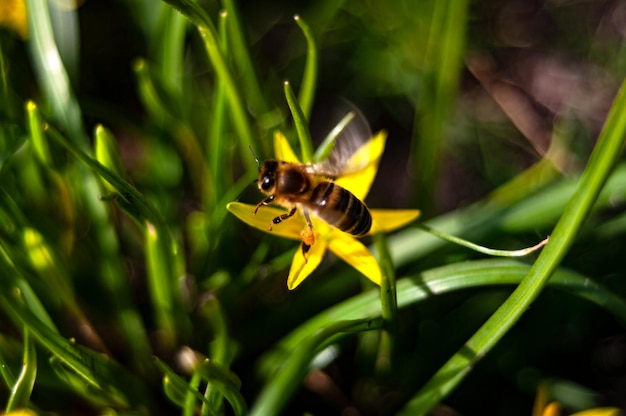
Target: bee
312, 189
293, 185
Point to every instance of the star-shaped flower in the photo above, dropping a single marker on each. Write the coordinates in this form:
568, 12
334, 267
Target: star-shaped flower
342, 244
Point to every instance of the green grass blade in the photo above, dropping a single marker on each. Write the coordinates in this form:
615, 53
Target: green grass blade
294, 367
602, 160
216, 144
241, 55
36, 135
443, 63
108, 154
309, 78
388, 301
162, 282
304, 136
53, 77
170, 49
23, 387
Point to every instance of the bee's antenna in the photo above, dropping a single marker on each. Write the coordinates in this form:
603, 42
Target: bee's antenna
256, 159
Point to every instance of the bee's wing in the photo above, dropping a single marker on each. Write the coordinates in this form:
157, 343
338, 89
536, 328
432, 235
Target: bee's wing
348, 155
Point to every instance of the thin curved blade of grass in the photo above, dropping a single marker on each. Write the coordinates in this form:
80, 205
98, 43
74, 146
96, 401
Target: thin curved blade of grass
289, 374
602, 161
170, 47
302, 128
444, 279
309, 78
108, 153
216, 149
443, 63
535, 205
35, 132
241, 55
23, 387
52, 75
162, 283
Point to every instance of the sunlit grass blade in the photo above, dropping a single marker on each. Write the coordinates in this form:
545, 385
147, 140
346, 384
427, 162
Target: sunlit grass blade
216, 155
162, 281
53, 77
170, 48
309, 78
35, 129
149, 95
108, 154
602, 161
302, 128
23, 387
292, 369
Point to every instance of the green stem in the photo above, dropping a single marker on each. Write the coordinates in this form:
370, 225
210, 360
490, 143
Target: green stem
388, 301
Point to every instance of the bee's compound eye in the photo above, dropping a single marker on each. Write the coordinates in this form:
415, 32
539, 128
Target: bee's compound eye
267, 183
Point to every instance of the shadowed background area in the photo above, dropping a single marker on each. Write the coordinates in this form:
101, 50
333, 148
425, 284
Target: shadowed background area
483, 102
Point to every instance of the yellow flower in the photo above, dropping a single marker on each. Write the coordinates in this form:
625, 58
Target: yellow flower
13, 16
543, 408
343, 245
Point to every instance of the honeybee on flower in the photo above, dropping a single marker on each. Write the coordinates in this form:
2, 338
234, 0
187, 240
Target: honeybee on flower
324, 204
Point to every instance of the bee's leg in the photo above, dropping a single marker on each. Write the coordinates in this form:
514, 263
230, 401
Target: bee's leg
266, 201
305, 249
282, 217
307, 235
307, 218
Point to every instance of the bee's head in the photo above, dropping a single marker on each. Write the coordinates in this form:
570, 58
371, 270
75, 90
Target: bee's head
267, 176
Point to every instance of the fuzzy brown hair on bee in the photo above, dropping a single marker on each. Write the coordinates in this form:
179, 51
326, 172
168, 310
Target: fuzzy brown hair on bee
293, 185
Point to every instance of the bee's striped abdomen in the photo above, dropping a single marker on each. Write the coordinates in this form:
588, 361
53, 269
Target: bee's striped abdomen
340, 208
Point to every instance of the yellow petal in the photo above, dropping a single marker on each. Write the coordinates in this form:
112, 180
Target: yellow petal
282, 149
362, 167
289, 228
599, 411
353, 252
301, 268
384, 220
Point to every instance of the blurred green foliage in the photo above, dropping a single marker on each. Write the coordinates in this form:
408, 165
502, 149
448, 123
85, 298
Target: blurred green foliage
127, 288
